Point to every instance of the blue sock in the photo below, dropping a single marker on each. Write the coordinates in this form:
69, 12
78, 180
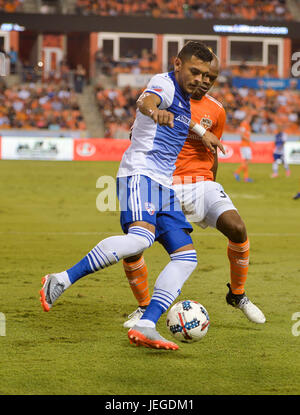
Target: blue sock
95, 260
153, 311
79, 270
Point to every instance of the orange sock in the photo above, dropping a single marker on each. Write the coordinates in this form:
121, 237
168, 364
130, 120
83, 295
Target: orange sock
238, 171
246, 171
243, 168
137, 274
238, 255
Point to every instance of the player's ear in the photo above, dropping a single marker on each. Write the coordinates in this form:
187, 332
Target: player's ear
177, 64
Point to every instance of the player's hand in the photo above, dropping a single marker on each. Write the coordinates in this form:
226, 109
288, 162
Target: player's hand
211, 142
162, 117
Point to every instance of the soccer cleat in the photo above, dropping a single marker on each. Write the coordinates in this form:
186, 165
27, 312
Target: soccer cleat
297, 196
274, 175
241, 301
50, 291
237, 177
134, 317
149, 337
288, 173
248, 180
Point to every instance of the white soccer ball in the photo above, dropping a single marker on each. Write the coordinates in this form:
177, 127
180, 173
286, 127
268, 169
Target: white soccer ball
188, 321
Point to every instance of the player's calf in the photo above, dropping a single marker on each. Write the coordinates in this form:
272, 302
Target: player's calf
108, 252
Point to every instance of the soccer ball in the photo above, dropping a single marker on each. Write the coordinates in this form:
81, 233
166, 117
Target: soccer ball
188, 321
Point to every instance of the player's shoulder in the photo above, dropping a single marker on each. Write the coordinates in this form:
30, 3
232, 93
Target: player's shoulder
161, 83
162, 77
214, 102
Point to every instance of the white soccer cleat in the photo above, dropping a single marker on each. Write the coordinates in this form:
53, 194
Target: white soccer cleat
134, 317
51, 290
251, 311
241, 301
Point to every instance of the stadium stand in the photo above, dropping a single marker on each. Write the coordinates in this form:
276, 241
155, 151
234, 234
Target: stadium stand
117, 107
36, 105
239, 9
11, 6
268, 108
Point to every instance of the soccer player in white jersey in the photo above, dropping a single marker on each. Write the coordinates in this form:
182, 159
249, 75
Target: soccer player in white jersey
204, 203
149, 206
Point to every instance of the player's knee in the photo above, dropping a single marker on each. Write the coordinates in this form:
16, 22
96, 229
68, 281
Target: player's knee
238, 232
193, 265
133, 258
188, 259
144, 238
232, 226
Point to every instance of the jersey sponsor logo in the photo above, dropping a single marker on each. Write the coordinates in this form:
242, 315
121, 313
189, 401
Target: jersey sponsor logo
150, 208
206, 122
182, 118
156, 88
180, 104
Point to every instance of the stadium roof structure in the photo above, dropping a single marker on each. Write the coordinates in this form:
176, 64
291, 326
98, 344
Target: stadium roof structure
62, 23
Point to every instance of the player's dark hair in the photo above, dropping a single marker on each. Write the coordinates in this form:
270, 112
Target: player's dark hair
198, 49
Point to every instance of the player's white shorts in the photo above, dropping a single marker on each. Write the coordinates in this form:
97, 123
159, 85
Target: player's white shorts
203, 202
246, 153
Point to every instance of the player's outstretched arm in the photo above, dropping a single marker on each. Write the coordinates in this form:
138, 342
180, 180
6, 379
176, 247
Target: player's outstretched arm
148, 105
208, 139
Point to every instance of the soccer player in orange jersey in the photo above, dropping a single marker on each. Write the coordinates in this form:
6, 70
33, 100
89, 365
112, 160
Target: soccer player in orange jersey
245, 149
204, 203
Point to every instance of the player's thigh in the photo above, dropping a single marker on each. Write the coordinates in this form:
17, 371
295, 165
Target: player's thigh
191, 196
139, 197
216, 202
176, 240
172, 228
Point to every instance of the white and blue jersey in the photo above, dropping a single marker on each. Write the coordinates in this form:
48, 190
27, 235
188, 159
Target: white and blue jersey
154, 148
280, 140
145, 175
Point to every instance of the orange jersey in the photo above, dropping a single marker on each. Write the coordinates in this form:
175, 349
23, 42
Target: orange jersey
194, 159
245, 130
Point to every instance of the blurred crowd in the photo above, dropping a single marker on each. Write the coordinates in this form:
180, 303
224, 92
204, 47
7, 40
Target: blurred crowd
11, 6
238, 9
117, 107
268, 108
49, 101
39, 106
146, 63
149, 64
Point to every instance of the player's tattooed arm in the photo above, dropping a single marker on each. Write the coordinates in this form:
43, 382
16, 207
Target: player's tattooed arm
208, 139
148, 105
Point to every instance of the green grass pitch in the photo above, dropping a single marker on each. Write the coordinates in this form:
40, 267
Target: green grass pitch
49, 221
